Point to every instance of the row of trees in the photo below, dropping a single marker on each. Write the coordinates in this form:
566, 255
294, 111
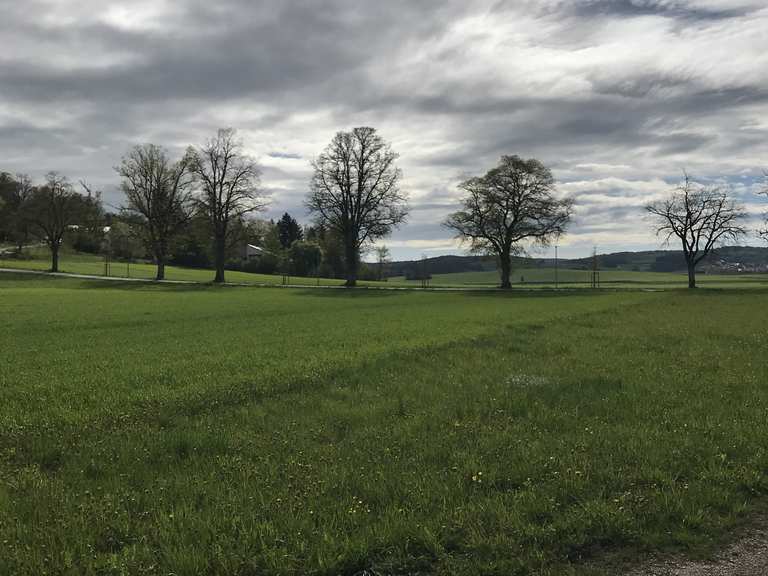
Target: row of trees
515, 204
212, 191
354, 196
46, 212
210, 194
313, 250
216, 181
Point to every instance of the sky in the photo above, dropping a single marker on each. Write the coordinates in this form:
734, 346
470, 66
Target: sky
617, 97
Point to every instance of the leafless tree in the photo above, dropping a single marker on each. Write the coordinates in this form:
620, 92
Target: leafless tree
228, 189
355, 192
513, 203
382, 259
763, 232
52, 208
91, 216
700, 217
158, 195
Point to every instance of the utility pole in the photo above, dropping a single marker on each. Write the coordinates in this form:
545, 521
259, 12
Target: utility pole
106, 245
595, 269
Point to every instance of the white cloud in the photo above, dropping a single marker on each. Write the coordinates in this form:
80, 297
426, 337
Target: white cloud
618, 96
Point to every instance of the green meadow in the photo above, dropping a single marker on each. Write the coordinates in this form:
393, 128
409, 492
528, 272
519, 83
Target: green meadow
91, 264
532, 278
524, 278
194, 429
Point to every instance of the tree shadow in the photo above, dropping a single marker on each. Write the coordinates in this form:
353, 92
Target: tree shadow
149, 285
544, 292
342, 292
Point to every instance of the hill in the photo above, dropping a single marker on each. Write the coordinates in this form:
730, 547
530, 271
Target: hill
732, 259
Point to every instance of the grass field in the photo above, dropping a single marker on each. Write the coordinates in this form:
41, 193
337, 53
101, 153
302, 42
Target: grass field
158, 429
533, 278
567, 278
90, 264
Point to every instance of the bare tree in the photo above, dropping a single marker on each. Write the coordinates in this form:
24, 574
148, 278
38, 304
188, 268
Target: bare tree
700, 217
158, 194
763, 232
382, 259
355, 192
52, 209
229, 188
513, 203
91, 217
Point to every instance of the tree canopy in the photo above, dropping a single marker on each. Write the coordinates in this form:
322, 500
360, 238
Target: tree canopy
228, 188
355, 191
158, 195
512, 203
700, 217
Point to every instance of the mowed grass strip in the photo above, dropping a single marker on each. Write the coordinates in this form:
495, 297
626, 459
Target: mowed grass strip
188, 430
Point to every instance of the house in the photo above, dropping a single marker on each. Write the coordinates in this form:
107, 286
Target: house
252, 252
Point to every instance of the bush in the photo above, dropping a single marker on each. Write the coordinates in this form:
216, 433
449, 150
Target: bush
267, 263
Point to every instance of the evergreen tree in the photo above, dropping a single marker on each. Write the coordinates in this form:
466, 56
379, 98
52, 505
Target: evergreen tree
288, 231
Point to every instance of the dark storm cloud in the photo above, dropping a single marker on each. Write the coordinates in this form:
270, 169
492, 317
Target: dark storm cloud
284, 155
616, 96
640, 85
666, 8
220, 50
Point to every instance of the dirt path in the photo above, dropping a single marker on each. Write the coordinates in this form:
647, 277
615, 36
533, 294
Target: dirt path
746, 557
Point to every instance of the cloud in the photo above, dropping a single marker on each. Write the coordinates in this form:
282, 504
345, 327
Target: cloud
617, 96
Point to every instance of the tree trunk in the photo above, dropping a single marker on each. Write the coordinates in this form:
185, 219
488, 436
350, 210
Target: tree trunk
54, 257
506, 268
220, 256
160, 269
351, 264
691, 275
22, 240
160, 251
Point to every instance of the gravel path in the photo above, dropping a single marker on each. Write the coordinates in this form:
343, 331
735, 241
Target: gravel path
745, 557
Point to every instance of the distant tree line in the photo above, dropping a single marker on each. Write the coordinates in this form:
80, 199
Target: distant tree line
47, 212
200, 210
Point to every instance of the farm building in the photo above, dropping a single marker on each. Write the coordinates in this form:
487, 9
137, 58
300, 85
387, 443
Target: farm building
252, 252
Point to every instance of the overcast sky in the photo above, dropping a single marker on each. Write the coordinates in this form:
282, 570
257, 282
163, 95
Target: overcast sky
617, 97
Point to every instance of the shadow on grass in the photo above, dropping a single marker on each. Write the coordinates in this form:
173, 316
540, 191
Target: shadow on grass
374, 292
367, 292
539, 293
341, 292
26, 276
152, 286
